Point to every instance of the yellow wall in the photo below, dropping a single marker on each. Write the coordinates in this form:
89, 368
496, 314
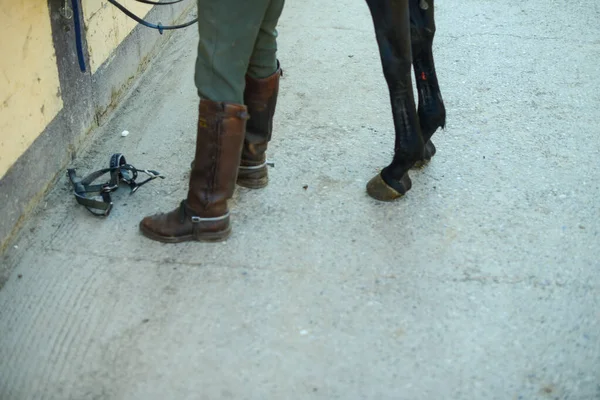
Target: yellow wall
107, 27
29, 85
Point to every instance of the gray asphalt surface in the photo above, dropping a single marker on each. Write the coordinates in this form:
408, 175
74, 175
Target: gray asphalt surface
482, 283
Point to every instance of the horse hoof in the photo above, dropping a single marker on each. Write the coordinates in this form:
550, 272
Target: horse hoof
428, 152
378, 189
420, 164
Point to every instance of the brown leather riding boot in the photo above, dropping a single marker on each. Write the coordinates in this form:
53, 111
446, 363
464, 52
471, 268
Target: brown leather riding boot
204, 215
260, 96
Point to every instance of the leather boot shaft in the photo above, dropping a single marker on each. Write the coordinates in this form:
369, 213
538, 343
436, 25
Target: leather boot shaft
260, 96
221, 128
204, 215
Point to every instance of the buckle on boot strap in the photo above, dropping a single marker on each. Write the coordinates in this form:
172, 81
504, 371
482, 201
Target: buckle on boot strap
119, 172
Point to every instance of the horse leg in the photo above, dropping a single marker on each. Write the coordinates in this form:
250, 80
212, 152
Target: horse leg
431, 110
391, 20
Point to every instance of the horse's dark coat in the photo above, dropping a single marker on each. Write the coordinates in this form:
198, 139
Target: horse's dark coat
405, 30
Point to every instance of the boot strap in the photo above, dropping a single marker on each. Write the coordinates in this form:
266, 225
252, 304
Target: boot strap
186, 211
197, 220
261, 166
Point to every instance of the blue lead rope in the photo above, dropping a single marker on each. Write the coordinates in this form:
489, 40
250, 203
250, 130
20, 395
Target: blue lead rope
78, 38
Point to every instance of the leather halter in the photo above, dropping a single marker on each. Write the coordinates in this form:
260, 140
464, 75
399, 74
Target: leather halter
119, 172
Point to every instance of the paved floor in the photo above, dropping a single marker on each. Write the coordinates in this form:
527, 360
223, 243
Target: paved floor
482, 283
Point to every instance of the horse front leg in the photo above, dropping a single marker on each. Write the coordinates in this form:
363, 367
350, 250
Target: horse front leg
431, 110
391, 20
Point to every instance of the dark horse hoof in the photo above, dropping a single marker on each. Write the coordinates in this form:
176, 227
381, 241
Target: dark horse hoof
428, 153
378, 189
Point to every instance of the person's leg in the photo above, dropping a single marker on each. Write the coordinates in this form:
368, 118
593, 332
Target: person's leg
260, 96
263, 62
228, 31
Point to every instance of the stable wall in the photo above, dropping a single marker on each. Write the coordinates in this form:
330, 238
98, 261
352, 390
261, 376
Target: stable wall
47, 105
107, 27
29, 86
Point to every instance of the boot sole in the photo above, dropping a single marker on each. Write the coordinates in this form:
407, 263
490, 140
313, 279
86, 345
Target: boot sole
206, 237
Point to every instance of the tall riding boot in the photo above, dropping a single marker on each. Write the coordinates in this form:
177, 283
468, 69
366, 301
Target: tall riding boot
204, 215
260, 96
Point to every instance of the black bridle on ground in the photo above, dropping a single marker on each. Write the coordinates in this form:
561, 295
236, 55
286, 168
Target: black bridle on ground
96, 197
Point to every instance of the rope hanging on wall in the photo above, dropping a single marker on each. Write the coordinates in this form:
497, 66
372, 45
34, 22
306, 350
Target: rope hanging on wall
76, 5
158, 26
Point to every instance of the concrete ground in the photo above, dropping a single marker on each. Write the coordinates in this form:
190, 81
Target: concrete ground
482, 283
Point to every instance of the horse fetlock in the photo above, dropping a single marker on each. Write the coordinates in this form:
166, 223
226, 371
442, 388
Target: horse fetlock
432, 115
428, 152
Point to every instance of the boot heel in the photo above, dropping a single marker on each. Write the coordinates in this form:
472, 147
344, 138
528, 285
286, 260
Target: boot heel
253, 183
253, 177
214, 236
